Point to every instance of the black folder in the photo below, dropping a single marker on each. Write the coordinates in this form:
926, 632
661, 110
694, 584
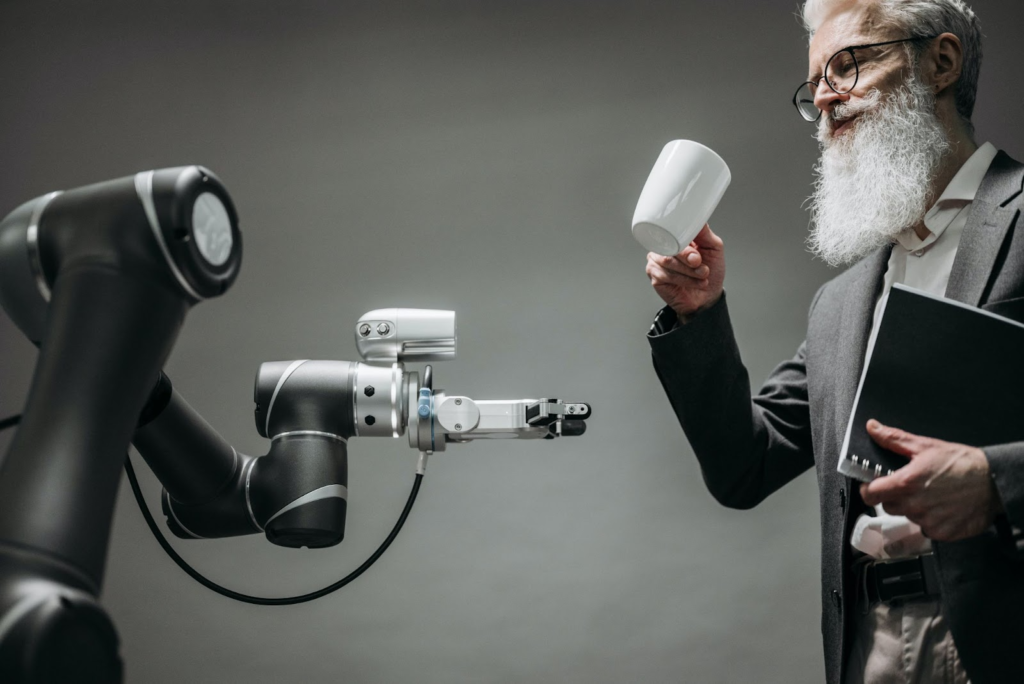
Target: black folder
939, 368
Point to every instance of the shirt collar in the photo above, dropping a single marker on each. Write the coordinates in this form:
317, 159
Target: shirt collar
967, 180
961, 191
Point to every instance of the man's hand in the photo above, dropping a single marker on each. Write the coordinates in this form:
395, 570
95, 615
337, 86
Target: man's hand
946, 488
690, 281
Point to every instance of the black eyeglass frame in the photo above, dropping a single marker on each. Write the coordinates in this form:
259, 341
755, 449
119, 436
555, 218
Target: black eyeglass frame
856, 68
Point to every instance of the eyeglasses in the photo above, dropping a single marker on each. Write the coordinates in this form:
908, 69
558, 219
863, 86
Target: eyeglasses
841, 73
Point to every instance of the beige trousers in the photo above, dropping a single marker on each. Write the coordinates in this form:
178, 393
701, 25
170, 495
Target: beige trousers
903, 643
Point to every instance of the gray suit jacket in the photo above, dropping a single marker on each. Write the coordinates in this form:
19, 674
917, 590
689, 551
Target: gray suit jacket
748, 447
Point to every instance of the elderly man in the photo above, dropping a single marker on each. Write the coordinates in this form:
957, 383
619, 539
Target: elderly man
904, 191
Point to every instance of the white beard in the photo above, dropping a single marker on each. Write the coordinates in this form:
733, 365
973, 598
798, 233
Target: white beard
873, 181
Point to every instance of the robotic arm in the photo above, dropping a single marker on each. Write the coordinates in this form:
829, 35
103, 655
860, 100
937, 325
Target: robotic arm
297, 493
100, 279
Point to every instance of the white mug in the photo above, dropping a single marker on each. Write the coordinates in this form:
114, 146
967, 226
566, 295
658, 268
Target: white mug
679, 197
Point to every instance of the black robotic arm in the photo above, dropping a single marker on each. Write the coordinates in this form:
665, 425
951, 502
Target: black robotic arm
100, 278
296, 494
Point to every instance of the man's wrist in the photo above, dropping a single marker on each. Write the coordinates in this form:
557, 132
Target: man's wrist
667, 320
683, 318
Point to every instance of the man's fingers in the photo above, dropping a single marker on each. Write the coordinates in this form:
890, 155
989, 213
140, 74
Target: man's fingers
674, 265
910, 506
660, 276
681, 268
708, 240
896, 440
688, 256
882, 490
898, 487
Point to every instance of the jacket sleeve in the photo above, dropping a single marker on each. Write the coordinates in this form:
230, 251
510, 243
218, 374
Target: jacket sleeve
1006, 463
747, 447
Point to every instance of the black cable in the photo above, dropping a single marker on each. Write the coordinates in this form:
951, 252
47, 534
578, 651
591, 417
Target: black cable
259, 600
224, 591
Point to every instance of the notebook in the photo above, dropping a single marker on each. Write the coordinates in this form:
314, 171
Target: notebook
939, 368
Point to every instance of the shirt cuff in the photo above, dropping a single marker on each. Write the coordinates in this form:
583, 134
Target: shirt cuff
667, 320
1006, 464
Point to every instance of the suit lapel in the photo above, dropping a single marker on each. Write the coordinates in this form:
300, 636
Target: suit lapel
987, 226
854, 329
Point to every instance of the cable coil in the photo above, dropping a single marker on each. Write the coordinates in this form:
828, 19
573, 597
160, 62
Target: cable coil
237, 596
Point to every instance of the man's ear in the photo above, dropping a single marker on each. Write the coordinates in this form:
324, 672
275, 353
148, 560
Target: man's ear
942, 64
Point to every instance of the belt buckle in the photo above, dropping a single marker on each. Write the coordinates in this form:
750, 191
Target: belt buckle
900, 580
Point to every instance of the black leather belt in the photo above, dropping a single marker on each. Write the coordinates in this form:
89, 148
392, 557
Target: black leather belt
902, 580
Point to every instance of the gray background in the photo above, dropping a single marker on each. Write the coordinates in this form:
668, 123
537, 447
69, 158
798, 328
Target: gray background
484, 157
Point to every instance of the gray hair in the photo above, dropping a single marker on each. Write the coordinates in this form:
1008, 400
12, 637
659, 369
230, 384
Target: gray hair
920, 18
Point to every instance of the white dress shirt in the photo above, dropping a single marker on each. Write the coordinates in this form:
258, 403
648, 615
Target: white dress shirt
924, 265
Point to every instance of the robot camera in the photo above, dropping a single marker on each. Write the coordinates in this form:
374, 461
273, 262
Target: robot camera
406, 335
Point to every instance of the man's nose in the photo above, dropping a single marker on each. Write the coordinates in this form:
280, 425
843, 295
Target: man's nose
825, 98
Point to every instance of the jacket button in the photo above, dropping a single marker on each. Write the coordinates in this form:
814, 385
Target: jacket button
842, 499
837, 600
